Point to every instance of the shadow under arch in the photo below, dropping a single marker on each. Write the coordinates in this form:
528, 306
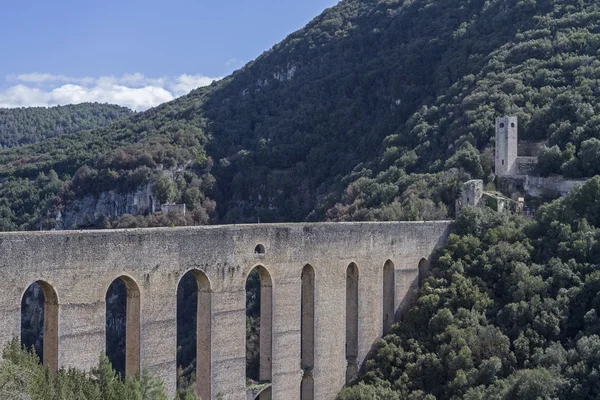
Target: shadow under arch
423, 270
307, 331
48, 315
351, 322
259, 303
307, 387
123, 313
201, 296
389, 296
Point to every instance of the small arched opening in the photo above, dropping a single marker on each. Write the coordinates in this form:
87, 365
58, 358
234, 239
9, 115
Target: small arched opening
351, 322
194, 304
39, 322
502, 125
259, 249
389, 282
123, 326
307, 387
423, 270
259, 323
307, 342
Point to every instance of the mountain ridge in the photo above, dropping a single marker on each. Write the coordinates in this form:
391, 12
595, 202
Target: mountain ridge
376, 110
25, 125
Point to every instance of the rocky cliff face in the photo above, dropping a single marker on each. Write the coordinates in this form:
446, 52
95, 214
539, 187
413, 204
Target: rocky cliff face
87, 211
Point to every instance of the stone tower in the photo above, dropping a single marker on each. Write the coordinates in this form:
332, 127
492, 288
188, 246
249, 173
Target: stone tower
506, 146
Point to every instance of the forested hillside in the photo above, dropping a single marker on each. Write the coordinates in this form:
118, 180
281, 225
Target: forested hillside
19, 126
375, 110
38, 180
510, 312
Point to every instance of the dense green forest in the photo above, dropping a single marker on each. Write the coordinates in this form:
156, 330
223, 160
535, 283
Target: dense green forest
510, 312
19, 126
376, 110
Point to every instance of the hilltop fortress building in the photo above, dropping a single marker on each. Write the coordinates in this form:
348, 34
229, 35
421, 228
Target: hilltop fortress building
516, 164
506, 146
515, 167
514, 158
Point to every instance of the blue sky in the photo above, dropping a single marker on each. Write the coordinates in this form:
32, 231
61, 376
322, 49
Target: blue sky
131, 52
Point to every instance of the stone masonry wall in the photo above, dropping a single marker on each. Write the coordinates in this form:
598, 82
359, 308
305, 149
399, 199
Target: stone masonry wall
526, 166
80, 265
549, 186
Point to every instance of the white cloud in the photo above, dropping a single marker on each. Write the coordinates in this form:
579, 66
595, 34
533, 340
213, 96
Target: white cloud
186, 83
135, 91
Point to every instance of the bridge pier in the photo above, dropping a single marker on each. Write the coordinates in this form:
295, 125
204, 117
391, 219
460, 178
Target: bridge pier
158, 339
82, 333
229, 344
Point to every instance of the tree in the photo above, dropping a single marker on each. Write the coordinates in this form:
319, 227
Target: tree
467, 157
550, 160
589, 154
164, 189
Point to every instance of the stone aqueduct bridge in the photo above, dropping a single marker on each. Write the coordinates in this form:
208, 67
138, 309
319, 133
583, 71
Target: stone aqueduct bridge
328, 291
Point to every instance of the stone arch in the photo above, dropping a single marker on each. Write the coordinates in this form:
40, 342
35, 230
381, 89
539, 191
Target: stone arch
203, 328
388, 298
307, 343
49, 348
423, 270
266, 325
132, 323
351, 321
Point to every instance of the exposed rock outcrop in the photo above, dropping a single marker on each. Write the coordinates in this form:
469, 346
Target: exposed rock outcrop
88, 210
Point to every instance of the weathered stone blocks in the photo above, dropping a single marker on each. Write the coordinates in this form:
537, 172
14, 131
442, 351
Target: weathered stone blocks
80, 265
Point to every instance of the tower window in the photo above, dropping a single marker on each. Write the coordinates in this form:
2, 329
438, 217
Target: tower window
502, 162
512, 125
502, 125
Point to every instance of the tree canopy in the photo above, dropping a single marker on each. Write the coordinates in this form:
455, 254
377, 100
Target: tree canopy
19, 126
509, 312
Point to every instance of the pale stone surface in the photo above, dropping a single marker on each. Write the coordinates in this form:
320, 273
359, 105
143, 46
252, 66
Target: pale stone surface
552, 185
506, 146
80, 266
471, 194
110, 204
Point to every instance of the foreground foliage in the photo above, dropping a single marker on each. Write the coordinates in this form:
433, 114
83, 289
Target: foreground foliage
510, 312
23, 377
